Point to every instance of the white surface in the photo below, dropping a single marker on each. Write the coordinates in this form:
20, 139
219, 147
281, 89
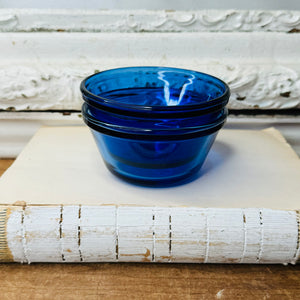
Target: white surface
198, 47
243, 169
16, 129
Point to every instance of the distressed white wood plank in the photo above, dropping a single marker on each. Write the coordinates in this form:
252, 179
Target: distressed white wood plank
69, 233
254, 235
284, 237
188, 240
14, 234
226, 235
41, 241
135, 233
297, 250
161, 238
97, 233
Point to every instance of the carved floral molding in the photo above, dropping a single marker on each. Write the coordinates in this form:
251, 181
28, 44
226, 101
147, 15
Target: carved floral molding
248, 49
51, 87
149, 21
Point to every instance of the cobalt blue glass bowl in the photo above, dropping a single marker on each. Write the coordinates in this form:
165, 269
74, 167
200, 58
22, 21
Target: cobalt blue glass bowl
154, 125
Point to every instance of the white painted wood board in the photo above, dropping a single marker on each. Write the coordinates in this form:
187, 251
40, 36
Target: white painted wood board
60, 204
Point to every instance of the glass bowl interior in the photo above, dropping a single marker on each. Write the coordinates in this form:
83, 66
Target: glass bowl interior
154, 89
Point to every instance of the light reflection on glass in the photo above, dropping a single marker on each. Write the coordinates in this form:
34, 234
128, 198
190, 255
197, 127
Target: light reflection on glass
170, 101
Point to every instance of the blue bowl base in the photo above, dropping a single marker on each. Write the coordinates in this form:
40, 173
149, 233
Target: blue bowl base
154, 163
157, 183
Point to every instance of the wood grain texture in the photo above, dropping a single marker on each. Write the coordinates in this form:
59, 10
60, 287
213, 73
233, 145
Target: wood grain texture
142, 281
5, 164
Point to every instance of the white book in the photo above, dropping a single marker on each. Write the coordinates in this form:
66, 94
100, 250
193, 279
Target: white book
59, 203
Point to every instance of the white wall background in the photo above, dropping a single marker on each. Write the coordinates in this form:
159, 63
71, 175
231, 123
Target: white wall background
155, 4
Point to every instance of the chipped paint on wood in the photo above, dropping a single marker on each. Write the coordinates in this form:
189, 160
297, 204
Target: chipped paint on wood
150, 234
5, 253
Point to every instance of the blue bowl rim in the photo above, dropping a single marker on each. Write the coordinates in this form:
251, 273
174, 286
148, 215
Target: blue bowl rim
160, 114
90, 97
115, 126
145, 137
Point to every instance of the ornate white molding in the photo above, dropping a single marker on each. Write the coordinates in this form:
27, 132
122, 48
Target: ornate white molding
44, 55
148, 21
263, 87
40, 87
56, 87
42, 70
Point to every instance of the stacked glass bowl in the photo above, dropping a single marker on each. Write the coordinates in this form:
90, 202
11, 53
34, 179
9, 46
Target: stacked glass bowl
154, 125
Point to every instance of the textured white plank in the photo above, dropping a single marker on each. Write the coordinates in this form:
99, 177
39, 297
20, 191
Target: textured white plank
152, 234
41, 241
226, 235
135, 233
14, 234
285, 237
161, 234
97, 233
188, 239
69, 223
252, 237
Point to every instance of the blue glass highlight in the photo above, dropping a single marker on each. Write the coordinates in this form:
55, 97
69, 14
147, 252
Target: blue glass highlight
154, 125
